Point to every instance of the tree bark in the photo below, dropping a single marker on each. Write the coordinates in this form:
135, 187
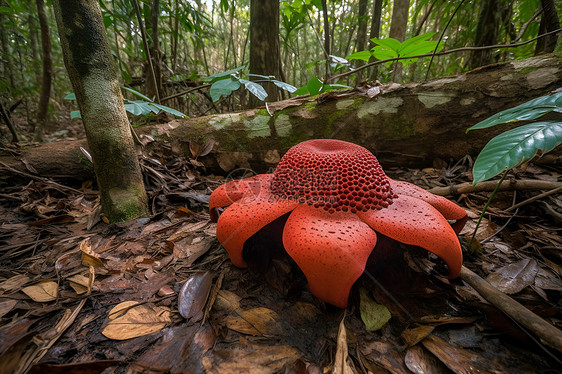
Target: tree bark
89, 63
409, 125
398, 26
47, 62
265, 54
374, 33
361, 43
549, 22
489, 20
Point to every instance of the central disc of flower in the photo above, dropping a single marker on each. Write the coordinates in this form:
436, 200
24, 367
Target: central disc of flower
333, 174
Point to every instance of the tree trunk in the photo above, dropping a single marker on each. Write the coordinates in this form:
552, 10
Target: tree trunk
264, 45
549, 22
89, 63
398, 26
47, 62
361, 43
487, 30
410, 125
375, 33
154, 84
327, 49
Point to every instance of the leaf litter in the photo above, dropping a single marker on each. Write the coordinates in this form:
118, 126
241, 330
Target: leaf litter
160, 294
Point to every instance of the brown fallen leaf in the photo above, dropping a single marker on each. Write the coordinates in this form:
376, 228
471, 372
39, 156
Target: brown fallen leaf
256, 321
341, 364
13, 284
130, 319
193, 295
42, 292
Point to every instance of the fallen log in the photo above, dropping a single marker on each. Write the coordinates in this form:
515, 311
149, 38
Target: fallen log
404, 125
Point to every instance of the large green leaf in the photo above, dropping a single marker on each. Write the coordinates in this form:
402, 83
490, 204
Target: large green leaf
223, 87
169, 110
415, 40
389, 43
219, 76
256, 89
284, 86
527, 111
314, 86
361, 55
515, 146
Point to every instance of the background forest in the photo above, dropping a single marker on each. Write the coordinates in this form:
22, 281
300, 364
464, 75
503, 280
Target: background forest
191, 40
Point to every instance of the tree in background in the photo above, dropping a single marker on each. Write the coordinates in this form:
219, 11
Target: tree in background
361, 33
487, 29
264, 44
47, 62
549, 22
93, 76
398, 26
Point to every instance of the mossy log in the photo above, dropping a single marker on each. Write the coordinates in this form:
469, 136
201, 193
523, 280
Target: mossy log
404, 125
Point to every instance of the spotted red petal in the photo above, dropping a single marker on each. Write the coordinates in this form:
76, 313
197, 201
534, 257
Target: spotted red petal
448, 209
330, 249
415, 222
244, 218
234, 190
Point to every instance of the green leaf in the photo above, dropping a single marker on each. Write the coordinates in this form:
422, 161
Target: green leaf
301, 91
416, 40
527, 111
218, 76
362, 55
314, 86
285, 86
389, 43
70, 96
374, 315
223, 87
328, 87
169, 110
256, 89
136, 93
381, 53
514, 147
75, 114
139, 107
418, 49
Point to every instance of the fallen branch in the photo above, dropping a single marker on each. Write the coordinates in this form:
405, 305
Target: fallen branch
535, 324
508, 185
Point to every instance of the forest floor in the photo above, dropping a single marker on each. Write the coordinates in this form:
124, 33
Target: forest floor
160, 294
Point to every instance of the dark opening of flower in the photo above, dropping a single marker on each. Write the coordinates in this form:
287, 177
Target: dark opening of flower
337, 198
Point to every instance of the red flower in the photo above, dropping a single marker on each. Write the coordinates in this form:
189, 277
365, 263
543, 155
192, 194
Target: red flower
338, 198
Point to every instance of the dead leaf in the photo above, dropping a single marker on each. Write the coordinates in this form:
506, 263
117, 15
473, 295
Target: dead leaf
89, 257
227, 300
6, 306
130, 319
515, 277
341, 364
13, 284
460, 360
373, 314
42, 292
79, 283
256, 321
414, 335
194, 294
420, 361
387, 355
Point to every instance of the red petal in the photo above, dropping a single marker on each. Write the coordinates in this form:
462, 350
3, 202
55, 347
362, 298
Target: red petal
415, 222
246, 217
234, 190
448, 209
330, 249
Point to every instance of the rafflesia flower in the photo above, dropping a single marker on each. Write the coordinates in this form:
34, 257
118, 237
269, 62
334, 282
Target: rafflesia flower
336, 198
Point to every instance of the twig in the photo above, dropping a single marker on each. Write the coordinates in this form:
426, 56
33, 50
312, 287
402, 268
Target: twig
185, 92
534, 198
526, 184
333, 77
538, 326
